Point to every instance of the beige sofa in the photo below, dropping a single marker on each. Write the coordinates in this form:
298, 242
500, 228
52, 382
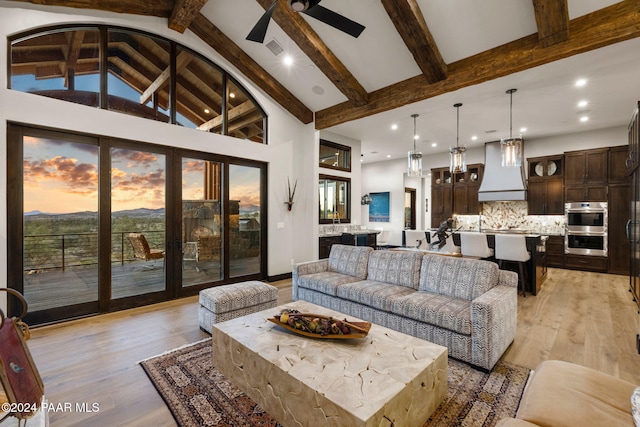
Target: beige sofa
562, 394
466, 305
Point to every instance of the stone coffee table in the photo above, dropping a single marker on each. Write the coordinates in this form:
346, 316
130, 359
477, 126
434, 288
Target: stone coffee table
385, 379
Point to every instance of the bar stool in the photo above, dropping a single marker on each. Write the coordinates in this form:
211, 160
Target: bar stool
475, 245
512, 248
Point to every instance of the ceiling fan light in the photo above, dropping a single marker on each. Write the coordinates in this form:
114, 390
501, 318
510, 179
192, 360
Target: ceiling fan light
299, 5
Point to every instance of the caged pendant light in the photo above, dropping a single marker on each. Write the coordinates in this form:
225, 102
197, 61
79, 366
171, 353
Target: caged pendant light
457, 154
414, 158
511, 148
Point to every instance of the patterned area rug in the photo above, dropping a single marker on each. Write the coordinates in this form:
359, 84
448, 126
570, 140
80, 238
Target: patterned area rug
199, 395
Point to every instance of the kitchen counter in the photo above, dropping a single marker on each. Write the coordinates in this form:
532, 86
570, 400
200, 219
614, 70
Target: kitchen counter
351, 237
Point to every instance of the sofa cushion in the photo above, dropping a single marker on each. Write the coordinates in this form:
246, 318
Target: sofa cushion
563, 394
326, 282
351, 260
395, 267
446, 312
457, 277
373, 294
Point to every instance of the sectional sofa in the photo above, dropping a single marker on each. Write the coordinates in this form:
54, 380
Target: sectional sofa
466, 305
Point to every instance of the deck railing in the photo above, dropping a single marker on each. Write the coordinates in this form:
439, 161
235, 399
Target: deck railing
62, 251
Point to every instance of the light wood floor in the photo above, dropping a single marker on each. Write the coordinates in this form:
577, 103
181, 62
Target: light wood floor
585, 318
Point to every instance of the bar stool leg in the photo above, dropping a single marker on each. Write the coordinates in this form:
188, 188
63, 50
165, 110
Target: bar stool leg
521, 269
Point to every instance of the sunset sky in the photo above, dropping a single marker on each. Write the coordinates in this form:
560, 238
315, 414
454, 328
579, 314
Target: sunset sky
62, 177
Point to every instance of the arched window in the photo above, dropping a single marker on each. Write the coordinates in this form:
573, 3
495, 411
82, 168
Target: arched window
135, 73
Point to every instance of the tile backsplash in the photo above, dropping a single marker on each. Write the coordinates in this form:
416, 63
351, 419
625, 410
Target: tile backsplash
510, 215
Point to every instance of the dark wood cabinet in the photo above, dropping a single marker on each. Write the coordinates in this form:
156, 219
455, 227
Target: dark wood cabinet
619, 248
465, 190
586, 175
545, 190
586, 262
325, 243
555, 251
634, 209
441, 196
618, 173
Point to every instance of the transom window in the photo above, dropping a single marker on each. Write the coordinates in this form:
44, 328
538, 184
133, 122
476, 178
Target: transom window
134, 73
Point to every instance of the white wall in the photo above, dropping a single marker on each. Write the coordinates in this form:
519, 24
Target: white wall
391, 175
291, 147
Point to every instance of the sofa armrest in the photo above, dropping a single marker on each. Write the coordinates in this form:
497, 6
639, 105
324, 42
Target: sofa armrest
303, 269
507, 278
494, 317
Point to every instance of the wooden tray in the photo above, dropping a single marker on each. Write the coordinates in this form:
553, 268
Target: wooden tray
359, 329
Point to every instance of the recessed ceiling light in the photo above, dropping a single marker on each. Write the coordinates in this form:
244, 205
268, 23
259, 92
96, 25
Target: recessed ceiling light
434, 144
584, 119
206, 110
582, 104
474, 137
523, 130
394, 127
388, 156
416, 137
288, 60
581, 82
232, 95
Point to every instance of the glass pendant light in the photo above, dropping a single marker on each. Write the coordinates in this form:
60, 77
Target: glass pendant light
414, 167
511, 148
457, 154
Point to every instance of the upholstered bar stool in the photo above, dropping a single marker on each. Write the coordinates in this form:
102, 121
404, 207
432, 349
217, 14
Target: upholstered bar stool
475, 245
513, 248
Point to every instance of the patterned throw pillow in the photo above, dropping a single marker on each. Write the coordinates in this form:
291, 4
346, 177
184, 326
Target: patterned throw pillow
635, 406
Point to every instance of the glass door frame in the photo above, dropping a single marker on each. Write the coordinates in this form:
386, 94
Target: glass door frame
173, 222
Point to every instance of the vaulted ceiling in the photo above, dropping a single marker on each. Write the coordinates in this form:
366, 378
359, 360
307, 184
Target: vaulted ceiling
423, 56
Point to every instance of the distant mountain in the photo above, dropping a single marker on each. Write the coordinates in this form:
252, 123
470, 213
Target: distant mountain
144, 212
140, 212
247, 209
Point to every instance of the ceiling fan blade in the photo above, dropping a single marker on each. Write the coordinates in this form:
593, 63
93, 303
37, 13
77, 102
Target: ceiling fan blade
336, 20
259, 31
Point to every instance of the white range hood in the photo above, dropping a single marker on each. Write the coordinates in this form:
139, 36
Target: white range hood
498, 183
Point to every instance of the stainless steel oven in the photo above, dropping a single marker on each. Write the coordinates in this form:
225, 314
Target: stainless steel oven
586, 228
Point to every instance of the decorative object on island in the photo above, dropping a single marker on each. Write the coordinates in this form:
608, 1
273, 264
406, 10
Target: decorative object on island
441, 233
319, 326
511, 147
289, 203
458, 163
414, 167
365, 200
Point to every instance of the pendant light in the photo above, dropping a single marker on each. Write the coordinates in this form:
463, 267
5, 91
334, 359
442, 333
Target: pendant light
414, 167
511, 148
457, 154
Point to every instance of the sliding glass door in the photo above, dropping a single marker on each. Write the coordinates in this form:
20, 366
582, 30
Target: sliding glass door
96, 224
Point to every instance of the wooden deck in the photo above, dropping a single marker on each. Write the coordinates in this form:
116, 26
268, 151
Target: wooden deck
47, 289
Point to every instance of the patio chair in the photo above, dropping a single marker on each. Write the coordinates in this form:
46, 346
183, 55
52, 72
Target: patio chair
141, 249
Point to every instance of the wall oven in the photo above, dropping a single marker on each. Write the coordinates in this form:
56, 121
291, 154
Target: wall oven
586, 228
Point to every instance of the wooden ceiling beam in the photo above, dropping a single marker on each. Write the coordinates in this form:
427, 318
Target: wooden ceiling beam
552, 19
183, 13
410, 24
72, 54
613, 24
162, 8
234, 113
181, 60
219, 42
310, 43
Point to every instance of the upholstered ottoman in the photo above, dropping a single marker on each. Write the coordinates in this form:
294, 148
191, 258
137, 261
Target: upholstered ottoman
227, 302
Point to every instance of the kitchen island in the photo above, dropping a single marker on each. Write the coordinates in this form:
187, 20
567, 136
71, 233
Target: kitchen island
536, 267
352, 238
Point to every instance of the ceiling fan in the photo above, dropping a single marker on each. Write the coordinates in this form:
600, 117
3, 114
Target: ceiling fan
311, 8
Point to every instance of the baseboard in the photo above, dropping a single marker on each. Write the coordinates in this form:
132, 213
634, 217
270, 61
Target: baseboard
277, 277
